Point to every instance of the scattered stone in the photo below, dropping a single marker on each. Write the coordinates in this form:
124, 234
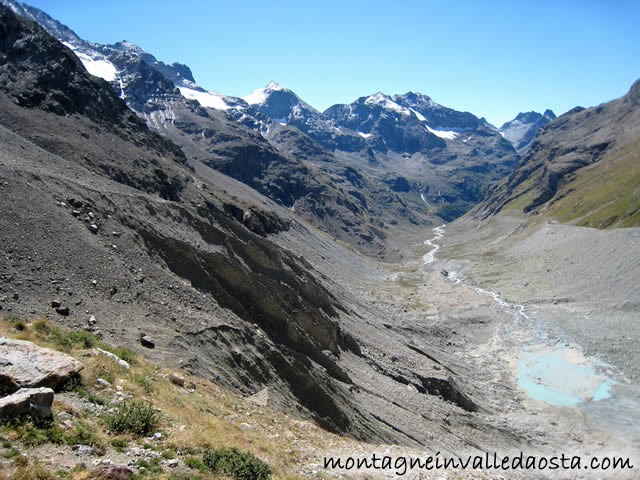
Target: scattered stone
110, 472
92, 320
444, 272
27, 402
147, 342
177, 379
55, 303
113, 291
32, 366
64, 311
93, 228
16, 296
113, 357
173, 463
103, 383
83, 450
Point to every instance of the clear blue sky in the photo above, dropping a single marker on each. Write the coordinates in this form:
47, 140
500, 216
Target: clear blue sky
493, 59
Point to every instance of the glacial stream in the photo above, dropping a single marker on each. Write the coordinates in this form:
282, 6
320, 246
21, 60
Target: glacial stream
549, 369
552, 370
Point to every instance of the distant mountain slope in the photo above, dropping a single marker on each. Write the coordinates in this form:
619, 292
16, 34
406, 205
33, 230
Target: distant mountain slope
443, 160
445, 156
582, 168
232, 135
521, 130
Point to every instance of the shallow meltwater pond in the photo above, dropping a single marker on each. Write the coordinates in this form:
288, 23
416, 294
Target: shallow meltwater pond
550, 371
562, 375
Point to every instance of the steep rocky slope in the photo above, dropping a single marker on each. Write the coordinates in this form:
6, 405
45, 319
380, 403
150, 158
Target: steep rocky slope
106, 220
224, 134
423, 162
109, 202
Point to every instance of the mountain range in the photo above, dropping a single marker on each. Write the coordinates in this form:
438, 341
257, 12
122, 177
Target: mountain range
422, 161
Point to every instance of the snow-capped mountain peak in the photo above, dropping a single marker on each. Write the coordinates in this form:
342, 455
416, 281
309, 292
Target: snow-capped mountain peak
522, 130
261, 95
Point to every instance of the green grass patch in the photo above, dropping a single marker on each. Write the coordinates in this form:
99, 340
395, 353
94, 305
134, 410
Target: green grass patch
123, 353
195, 463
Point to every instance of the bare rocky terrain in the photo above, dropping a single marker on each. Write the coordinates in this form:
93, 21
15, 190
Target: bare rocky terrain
109, 227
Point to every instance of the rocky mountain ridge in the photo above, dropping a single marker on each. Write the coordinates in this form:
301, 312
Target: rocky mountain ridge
580, 168
446, 158
521, 130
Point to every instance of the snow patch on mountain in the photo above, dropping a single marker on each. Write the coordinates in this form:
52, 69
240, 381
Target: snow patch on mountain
98, 67
385, 102
446, 134
206, 99
419, 115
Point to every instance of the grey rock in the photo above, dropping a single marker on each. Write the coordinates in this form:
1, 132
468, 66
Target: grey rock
83, 450
32, 366
63, 310
147, 342
113, 357
102, 382
33, 402
177, 379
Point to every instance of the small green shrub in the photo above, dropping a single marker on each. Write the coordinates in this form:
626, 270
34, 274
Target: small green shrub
65, 339
169, 453
84, 338
41, 327
84, 436
144, 382
195, 463
20, 326
237, 464
137, 417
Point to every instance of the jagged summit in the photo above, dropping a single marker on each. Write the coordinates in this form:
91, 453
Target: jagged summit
522, 130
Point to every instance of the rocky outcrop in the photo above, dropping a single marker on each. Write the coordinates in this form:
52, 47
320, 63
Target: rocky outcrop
27, 402
26, 365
